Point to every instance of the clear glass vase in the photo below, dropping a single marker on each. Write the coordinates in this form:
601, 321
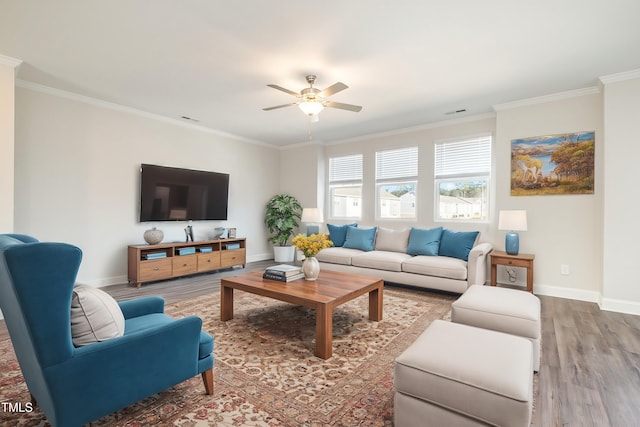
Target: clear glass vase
310, 268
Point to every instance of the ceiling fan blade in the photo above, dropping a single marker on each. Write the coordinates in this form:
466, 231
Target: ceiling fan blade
279, 106
290, 92
334, 88
342, 106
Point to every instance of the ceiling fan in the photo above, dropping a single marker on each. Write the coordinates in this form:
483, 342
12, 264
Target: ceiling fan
312, 100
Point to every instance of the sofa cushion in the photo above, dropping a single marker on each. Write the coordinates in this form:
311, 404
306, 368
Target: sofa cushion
424, 241
95, 316
360, 238
380, 260
337, 255
457, 244
450, 268
338, 233
392, 240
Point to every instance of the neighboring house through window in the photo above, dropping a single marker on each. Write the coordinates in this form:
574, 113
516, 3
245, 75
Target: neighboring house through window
396, 183
462, 179
345, 186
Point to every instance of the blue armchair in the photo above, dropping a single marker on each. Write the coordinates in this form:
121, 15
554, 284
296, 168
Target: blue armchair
76, 385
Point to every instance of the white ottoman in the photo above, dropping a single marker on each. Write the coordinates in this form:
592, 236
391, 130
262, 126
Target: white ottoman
501, 309
458, 375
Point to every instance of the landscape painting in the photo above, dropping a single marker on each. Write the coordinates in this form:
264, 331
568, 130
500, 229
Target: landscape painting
553, 164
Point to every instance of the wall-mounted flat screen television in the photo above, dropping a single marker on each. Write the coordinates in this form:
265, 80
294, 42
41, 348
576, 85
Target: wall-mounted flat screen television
175, 194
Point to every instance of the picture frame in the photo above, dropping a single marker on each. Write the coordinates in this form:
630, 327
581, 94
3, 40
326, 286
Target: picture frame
553, 164
231, 233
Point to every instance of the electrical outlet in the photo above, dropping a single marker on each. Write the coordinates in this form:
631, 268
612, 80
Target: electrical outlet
564, 269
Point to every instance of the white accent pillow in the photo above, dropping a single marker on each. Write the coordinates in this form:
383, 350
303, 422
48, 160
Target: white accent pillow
95, 316
392, 240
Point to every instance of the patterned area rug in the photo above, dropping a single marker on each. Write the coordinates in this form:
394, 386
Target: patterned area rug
265, 370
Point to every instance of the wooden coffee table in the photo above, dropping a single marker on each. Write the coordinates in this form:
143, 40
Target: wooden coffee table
329, 291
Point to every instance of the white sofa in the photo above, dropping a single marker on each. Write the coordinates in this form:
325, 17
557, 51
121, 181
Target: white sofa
387, 257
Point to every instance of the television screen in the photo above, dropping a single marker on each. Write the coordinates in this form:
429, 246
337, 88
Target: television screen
175, 194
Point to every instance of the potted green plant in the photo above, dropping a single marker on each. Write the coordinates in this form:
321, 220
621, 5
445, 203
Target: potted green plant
281, 218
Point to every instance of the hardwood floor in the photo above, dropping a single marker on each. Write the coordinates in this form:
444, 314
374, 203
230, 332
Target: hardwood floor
590, 373
590, 364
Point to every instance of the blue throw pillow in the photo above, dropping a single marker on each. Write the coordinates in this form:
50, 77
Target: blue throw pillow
360, 238
457, 244
424, 241
338, 233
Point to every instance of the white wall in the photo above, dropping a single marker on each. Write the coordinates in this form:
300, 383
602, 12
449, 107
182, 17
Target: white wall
7, 105
301, 174
621, 286
77, 178
563, 229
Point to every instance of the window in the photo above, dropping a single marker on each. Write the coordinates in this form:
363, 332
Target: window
462, 178
345, 186
396, 183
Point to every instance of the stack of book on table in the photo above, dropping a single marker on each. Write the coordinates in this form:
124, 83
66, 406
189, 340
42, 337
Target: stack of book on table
283, 273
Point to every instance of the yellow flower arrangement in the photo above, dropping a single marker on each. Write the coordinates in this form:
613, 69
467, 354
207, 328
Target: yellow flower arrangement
311, 245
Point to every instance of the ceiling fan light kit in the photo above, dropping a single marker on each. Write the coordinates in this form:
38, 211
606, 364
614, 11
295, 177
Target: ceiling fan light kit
311, 108
312, 101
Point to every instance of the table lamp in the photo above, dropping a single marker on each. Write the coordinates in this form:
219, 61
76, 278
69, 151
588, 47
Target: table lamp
512, 221
313, 218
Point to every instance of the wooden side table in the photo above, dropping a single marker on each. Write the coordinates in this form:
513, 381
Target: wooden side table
520, 260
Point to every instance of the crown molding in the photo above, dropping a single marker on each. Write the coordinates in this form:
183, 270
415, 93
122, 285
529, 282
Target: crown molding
434, 125
12, 62
619, 77
129, 110
547, 98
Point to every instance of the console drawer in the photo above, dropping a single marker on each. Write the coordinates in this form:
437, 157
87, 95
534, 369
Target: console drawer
155, 269
209, 261
233, 257
185, 264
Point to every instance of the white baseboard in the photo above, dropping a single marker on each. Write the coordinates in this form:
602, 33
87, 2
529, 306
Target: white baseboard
260, 257
606, 304
620, 306
569, 293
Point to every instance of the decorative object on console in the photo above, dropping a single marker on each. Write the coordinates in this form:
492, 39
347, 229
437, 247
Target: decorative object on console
188, 231
219, 233
231, 233
512, 221
313, 218
153, 236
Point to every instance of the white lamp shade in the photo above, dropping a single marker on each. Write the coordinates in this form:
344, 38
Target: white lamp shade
513, 220
311, 108
311, 215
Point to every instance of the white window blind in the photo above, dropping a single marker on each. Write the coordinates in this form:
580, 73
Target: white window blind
394, 164
470, 157
345, 168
